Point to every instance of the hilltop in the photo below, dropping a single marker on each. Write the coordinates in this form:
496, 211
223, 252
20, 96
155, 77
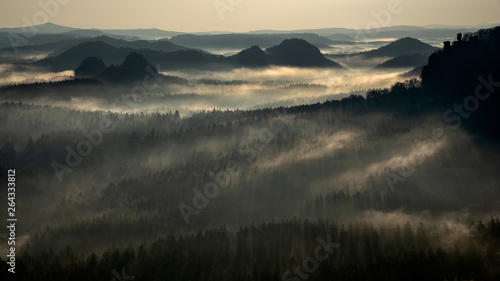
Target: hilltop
403, 46
291, 52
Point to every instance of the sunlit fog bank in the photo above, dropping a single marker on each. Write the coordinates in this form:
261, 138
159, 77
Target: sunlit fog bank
287, 86
243, 168
341, 81
23, 73
240, 88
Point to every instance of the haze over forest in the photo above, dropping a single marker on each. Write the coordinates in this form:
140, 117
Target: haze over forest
272, 154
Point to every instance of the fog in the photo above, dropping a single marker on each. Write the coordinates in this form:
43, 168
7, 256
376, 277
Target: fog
166, 147
312, 156
17, 74
207, 90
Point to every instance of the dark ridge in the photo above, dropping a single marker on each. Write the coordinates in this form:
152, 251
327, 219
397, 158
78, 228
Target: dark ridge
403, 46
134, 67
298, 52
253, 56
412, 60
90, 67
72, 57
291, 52
466, 71
238, 41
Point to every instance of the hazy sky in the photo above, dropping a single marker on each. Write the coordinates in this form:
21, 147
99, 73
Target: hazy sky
246, 15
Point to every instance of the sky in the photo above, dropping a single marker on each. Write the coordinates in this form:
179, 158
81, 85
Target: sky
246, 15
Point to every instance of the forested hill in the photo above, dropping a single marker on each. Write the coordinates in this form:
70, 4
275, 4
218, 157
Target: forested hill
467, 73
291, 52
461, 82
263, 252
464, 75
453, 72
403, 46
119, 207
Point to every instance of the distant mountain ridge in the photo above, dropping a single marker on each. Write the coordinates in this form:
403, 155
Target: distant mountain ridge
412, 60
60, 46
50, 28
291, 52
253, 56
45, 28
90, 67
334, 34
298, 52
244, 40
72, 57
134, 68
155, 45
51, 33
403, 46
